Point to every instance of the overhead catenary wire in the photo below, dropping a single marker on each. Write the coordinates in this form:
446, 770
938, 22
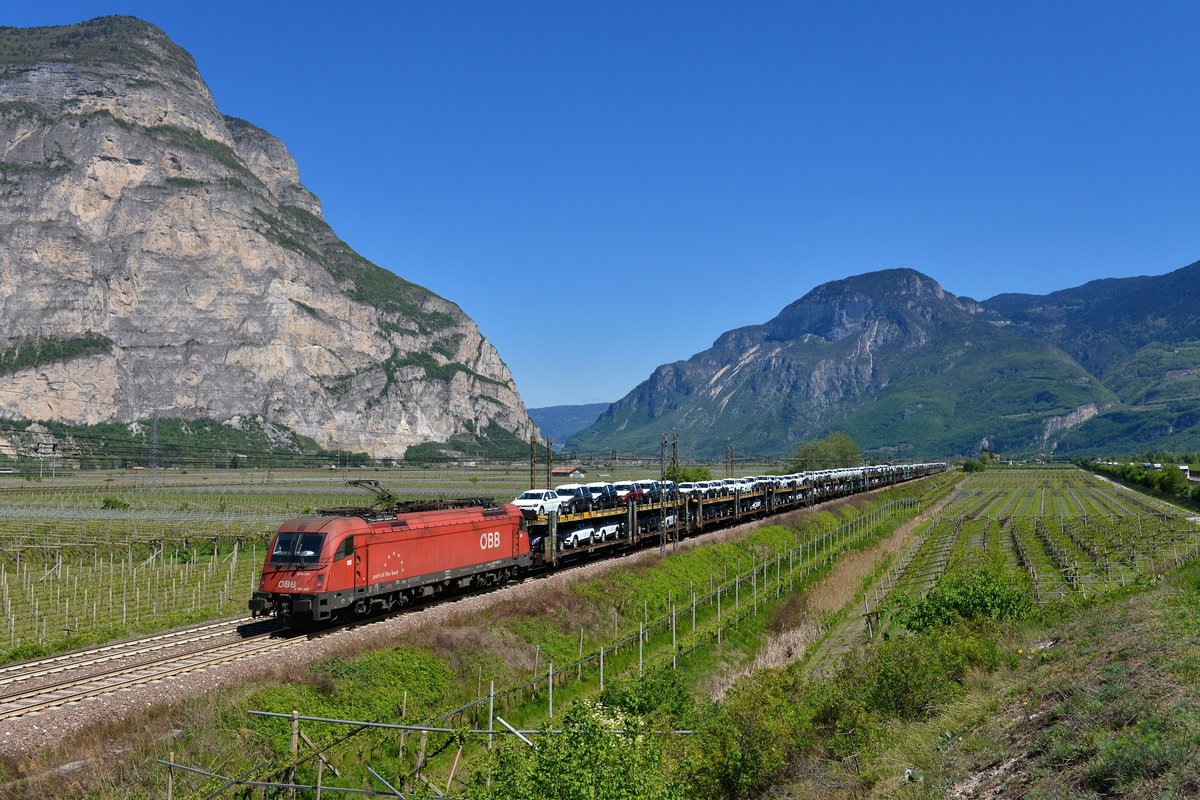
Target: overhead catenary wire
180, 452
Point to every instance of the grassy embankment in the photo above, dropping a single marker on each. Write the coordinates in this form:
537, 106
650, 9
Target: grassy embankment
1091, 695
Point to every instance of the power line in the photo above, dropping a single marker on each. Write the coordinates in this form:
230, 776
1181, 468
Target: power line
184, 453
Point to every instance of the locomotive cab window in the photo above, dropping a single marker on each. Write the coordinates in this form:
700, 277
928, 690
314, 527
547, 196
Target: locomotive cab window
297, 549
345, 549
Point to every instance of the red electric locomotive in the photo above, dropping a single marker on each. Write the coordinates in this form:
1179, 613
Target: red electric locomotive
351, 562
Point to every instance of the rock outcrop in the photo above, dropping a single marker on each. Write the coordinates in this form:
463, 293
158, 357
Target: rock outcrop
182, 247
1057, 425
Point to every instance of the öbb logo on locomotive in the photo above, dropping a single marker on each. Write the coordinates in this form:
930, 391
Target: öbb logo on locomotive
351, 562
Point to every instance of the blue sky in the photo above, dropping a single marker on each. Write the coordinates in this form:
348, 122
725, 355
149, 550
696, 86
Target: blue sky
606, 187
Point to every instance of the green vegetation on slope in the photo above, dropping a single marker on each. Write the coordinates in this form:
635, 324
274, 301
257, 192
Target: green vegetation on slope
104, 40
1159, 386
196, 142
36, 351
181, 443
490, 442
1001, 392
1171, 425
1103, 324
1158, 372
366, 282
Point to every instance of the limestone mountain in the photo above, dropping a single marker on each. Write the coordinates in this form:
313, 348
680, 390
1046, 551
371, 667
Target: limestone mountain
159, 257
891, 358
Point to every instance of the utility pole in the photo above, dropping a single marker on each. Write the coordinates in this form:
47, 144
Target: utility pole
675, 501
662, 460
532, 459
154, 449
549, 458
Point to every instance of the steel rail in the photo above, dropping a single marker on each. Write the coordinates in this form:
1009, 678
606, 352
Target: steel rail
113, 655
49, 662
136, 674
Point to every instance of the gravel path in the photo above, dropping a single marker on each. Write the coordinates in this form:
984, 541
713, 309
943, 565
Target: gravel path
843, 583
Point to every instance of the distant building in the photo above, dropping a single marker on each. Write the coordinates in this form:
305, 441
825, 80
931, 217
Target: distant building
568, 472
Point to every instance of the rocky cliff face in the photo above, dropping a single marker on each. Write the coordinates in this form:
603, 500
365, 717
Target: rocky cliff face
889, 357
179, 246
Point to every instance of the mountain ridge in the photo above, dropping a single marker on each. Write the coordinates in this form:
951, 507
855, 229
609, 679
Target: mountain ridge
136, 211
900, 363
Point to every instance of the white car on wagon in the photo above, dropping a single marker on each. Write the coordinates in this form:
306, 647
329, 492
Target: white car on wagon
539, 501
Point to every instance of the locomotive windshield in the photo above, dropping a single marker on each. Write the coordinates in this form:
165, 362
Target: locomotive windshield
297, 549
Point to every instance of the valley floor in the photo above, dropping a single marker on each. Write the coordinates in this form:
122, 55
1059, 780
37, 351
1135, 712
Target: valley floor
1092, 694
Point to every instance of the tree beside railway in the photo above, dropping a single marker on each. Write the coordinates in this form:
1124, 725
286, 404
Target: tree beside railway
830, 452
688, 474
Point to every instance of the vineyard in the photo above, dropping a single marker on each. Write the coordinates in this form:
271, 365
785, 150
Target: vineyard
1065, 536
439, 706
85, 559
85, 562
90, 557
1070, 534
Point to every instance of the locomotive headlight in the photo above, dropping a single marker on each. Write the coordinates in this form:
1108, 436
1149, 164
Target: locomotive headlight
320, 580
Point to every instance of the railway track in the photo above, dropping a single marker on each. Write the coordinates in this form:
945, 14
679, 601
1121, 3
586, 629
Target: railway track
60, 680
36, 685
122, 665
31, 686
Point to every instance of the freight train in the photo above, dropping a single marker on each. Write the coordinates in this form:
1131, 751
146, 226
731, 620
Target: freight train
352, 562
